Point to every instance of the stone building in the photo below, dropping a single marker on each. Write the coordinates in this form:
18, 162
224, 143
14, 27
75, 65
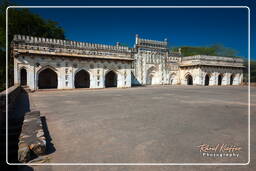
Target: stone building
42, 63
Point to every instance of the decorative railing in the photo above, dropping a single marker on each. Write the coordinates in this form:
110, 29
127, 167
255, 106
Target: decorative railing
212, 60
151, 43
51, 43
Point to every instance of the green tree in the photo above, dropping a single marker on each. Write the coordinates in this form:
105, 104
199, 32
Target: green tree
252, 69
190, 50
214, 50
24, 22
220, 50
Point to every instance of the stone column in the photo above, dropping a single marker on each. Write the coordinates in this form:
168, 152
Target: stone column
241, 78
93, 77
128, 78
31, 78
144, 71
198, 76
16, 71
119, 79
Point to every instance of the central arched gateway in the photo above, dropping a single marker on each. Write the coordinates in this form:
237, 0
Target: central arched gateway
220, 79
189, 79
150, 79
151, 76
172, 79
82, 79
111, 79
23, 77
47, 79
206, 80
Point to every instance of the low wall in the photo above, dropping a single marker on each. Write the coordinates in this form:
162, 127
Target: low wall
12, 93
14, 124
32, 140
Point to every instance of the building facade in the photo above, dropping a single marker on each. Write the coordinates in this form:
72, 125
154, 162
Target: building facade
42, 63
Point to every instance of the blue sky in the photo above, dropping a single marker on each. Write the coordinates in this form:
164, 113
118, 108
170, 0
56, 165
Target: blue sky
182, 27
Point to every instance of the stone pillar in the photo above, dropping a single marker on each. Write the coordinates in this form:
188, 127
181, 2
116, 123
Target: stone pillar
128, 78
72, 83
31, 78
93, 82
198, 76
144, 71
212, 80
101, 79
225, 79
119, 79
241, 78
61, 78
16, 71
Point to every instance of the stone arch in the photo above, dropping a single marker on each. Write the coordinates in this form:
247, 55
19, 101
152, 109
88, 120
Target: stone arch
151, 75
172, 79
111, 78
207, 79
231, 81
23, 76
220, 79
47, 78
189, 79
134, 80
82, 79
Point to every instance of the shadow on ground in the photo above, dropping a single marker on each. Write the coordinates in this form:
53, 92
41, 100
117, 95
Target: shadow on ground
49, 145
15, 122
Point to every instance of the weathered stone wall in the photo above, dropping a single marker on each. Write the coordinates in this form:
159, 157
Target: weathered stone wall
66, 70
199, 74
14, 123
12, 93
149, 62
150, 59
32, 138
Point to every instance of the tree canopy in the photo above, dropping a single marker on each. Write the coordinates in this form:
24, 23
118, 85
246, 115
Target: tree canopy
24, 22
214, 50
253, 70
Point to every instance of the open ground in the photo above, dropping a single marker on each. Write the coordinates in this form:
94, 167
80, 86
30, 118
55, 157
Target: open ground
156, 124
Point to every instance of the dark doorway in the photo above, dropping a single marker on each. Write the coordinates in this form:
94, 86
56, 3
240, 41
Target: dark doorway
82, 79
111, 79
219, 79
23, 77
189, 80
47, 79
231, 79
206, 80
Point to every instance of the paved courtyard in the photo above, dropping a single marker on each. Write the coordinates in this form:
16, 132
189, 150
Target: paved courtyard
160, 124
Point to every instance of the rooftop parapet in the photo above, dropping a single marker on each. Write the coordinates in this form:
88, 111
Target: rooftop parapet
212, 60
215, 58
147, 43
67, 43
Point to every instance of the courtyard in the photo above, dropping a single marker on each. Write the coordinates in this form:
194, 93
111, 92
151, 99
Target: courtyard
154, 124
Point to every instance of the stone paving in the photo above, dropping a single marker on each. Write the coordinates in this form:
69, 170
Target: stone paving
145, 125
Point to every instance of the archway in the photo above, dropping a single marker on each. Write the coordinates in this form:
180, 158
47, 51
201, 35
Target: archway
111, 79
82, 79
220, 79
189, 79
151, 76
231, 79
172, 79
150, 79
206, 80
47, 79
23, 77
